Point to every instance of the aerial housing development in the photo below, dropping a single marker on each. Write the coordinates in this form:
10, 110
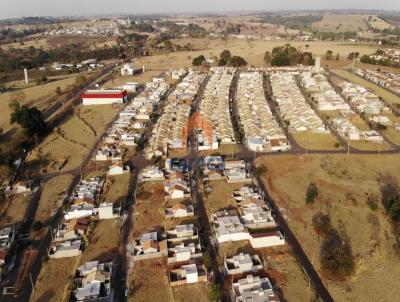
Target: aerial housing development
261, 129
249, 156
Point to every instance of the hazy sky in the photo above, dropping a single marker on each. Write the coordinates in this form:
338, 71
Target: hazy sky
18, 8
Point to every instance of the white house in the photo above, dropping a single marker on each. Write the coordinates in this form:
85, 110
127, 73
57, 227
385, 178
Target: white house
253, 288
128, 69
242, 263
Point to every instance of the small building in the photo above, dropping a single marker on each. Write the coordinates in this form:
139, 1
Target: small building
253, 288
66, 249
179, 210
188, 274
128, 70
118, 169
107, 211
104, 97
242, 263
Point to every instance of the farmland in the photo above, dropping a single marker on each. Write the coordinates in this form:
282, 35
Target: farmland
343, 182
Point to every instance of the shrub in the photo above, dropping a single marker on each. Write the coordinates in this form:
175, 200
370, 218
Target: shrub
321, 223
312, 193
336, 254
198, 61
216, 293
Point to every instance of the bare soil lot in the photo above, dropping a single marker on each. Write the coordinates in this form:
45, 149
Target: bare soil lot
149, 282
198, 292
103, 242
149, 213
13, 209
54, 280
343, 182
118, 188
52, 191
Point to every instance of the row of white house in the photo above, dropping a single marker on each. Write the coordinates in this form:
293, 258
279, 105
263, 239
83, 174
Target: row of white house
214, 107
295, 111
261, 130
387, 80
171, 129
363, 100
322, 92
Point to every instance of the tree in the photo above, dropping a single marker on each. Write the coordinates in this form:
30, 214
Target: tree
321, 223
80, 81
198, 61
336, 254
237, 61
30, 119
224, 58
216, 293
329, 55
58, 90
260, 171
312, 193
267, 57
280, 60
337, 57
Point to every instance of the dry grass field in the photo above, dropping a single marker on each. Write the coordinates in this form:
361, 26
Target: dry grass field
149, 282
379, 23
341, 23
52, 191
117, 192
316, 141
103, 242
343, 182
220, 196
198, 292
149, 213
54, 280
68, 145
33, 95
252, 51
13, 209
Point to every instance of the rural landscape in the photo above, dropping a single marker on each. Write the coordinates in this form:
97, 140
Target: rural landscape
232, 156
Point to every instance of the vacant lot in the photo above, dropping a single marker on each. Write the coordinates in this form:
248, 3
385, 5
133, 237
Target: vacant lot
13, 209
54, 280
198, 292
149, 212
343, 182
103, 242
149, 282
218, 195
316, 141
117, 189
70, 143
341, 23
52, 190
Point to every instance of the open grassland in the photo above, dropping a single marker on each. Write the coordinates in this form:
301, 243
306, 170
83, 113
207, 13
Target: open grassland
149, 282
378, 23
343, 182
52, 190
31, 96
103, 242
252, 51
341, 23
68, 145
316, 141
47, 43
54, 280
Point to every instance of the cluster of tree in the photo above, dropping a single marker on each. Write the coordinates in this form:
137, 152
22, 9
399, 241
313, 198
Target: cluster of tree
334, 36
10, 35
226, 59
287, 56
233, 29
336, 254
353, 55
291, 21
142, 26
31, 57
198, 61
385, 62
29, 118
329, 56
34, 20
176, 30
390, 192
